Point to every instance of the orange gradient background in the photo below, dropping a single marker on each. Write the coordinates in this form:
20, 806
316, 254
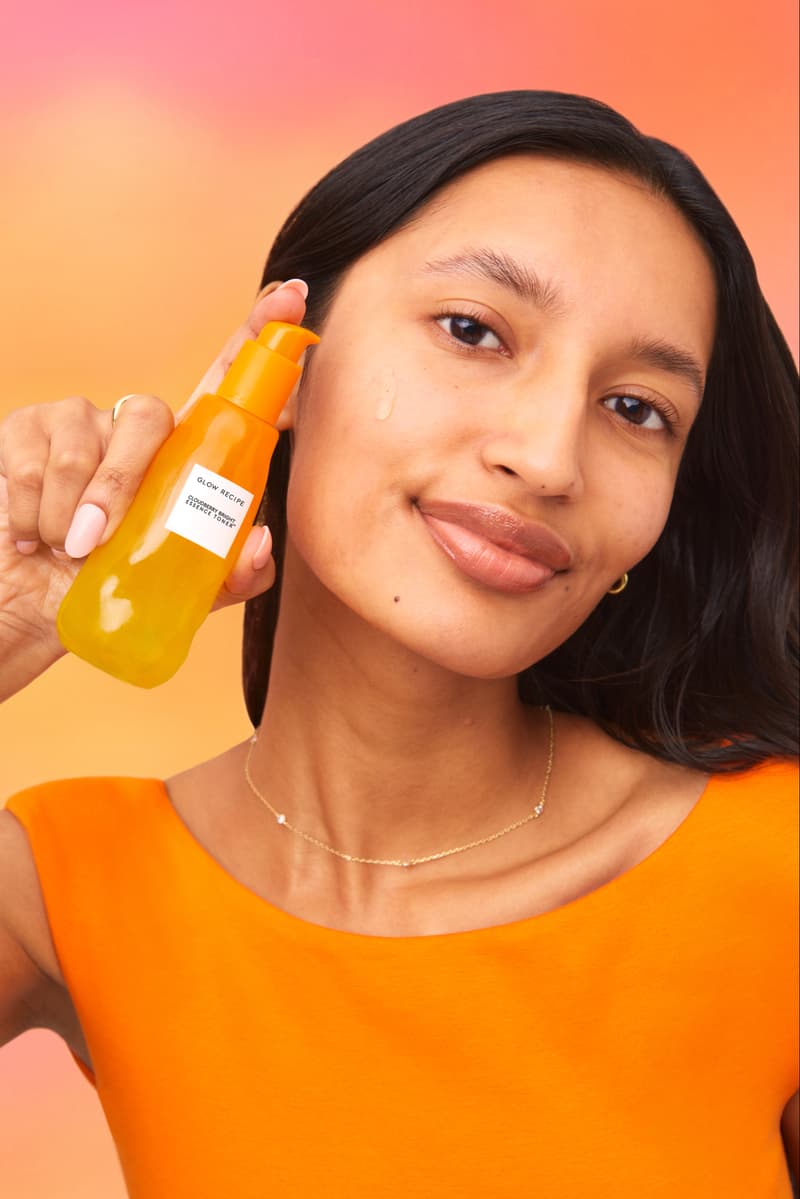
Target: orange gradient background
150, 153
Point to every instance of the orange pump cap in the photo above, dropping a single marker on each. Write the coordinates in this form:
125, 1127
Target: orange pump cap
264, 371
286, 339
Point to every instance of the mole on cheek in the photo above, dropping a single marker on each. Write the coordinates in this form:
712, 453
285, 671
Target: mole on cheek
397, 599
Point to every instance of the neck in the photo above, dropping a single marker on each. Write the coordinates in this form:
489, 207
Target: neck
382, 754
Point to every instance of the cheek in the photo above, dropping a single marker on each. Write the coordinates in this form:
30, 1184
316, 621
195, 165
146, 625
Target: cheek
351, 470
638, 510
364, 432
325, 497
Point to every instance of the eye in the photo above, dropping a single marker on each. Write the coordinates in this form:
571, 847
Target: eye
469, 331
638, 412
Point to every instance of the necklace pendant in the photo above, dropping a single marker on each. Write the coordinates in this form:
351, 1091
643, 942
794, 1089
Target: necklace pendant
281, 819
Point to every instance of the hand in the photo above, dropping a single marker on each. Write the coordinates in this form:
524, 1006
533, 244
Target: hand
56, 458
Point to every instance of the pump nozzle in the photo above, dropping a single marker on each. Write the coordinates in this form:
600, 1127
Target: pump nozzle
264, 371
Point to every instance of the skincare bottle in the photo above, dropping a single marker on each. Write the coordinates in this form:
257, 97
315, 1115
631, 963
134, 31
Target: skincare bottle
137, 601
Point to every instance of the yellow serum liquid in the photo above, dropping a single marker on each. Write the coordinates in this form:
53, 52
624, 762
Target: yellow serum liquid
138, 600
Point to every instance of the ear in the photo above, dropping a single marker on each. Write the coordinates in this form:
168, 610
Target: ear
286, 419
291, 411
296, 301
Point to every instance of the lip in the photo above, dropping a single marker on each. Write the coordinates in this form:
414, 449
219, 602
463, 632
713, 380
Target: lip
494, 546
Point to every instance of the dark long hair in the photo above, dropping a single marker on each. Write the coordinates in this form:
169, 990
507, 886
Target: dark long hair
696, 662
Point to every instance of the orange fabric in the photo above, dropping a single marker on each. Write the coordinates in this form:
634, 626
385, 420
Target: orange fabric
639, 1042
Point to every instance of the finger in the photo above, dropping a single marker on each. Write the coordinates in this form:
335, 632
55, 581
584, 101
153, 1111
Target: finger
143, 426
24, 547
253, 573
25, 449
276, 302
77, 447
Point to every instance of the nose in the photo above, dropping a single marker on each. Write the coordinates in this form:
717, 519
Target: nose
538, 434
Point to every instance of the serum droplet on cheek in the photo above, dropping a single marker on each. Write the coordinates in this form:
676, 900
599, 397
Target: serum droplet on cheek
386, 397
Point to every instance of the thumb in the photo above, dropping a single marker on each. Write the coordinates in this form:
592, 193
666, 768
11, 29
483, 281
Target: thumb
253, 573
276, 302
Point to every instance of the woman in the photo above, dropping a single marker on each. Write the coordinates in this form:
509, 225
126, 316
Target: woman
498, 898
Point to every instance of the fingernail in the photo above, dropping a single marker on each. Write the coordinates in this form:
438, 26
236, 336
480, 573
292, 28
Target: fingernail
298, 284
85, 531
27, 547
261, 556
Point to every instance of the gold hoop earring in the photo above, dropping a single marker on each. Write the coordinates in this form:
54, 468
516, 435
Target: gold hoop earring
620, 585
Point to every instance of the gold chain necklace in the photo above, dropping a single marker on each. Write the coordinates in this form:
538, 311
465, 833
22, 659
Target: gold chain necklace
280, 817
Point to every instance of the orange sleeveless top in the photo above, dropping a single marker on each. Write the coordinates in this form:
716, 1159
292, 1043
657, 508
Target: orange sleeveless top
639, 1042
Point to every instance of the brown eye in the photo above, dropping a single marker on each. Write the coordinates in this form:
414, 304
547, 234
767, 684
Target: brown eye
636, 411
469, 331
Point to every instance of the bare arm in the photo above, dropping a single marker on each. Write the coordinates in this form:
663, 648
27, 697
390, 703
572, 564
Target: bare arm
790, 1131
27, 991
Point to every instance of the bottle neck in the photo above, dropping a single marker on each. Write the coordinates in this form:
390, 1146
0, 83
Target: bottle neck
259, 380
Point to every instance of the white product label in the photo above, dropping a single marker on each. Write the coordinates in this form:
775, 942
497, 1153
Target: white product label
209, 510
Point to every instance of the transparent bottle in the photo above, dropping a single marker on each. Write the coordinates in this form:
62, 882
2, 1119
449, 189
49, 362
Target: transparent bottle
138, 600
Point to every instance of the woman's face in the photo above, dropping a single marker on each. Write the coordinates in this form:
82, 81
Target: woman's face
491, 427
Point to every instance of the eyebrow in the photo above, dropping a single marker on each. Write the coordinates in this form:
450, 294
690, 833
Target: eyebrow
502, 269
518, 278
666, 357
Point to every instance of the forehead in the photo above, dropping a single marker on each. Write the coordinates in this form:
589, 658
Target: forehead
603, 241
516, 195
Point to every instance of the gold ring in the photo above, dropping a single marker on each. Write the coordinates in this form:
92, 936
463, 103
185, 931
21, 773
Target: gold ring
115, 411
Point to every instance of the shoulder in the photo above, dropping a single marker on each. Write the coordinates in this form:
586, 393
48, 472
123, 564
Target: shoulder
752, 826
62, 826
47, 831
775, 776
765, 797
764, 804
770, 792
57, 799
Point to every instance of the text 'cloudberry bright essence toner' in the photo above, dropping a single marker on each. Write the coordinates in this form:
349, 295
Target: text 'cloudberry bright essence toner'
137, 601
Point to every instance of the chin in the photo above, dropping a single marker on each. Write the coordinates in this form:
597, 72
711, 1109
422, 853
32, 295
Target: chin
473, 653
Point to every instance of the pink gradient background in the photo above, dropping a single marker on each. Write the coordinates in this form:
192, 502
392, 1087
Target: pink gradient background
150, 152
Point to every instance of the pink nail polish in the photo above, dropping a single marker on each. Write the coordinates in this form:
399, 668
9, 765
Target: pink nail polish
85, 531
261, 556
27, 547
298, 285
